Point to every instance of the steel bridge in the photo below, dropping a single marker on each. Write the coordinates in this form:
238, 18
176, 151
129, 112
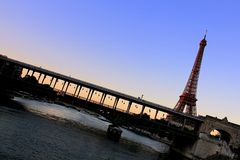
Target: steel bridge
103, 92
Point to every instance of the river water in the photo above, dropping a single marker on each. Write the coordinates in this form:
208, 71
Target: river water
48, 131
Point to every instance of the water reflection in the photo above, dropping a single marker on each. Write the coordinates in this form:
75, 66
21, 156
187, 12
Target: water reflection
25, 136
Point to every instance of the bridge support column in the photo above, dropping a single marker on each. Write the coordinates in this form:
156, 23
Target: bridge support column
33, 72
129, 107
79, 91
115, 103
92, 91
142, 110
67, 87
55, 83
43, 79
103, 98
63, 86
88, 94
74, 95
75, 91
38, 76
27, 71
155, 117
51, 81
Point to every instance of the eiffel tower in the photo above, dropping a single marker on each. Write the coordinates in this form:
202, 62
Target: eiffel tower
187, 100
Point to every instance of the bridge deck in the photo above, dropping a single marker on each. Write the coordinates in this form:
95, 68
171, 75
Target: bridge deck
101, 89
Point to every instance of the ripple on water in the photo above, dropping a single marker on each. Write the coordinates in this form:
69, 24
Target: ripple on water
27, 136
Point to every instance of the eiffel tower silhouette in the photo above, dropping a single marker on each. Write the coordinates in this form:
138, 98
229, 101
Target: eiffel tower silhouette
187, 100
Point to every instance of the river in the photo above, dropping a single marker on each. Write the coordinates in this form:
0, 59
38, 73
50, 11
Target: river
47, 131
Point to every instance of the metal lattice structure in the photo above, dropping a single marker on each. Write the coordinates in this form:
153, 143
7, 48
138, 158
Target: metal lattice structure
187, 101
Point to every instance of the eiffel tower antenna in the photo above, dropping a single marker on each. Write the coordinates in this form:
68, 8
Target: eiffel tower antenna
187, 100
205, 34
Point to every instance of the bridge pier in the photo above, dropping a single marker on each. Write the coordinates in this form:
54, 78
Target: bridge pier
204, 147
215, 145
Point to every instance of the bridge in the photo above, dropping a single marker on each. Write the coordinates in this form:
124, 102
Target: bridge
196, 129
91, 89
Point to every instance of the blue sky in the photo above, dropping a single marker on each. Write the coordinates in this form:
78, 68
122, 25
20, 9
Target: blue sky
133, 46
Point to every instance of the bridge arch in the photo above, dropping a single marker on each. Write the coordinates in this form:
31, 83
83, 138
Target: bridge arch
230, 133
220, 134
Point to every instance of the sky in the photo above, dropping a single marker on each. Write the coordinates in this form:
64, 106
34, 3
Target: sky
132, 46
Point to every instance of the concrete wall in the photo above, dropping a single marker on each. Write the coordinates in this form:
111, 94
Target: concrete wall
204, 147
233, 130
207, 145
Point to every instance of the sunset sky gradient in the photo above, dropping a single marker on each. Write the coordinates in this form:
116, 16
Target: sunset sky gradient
132, 46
